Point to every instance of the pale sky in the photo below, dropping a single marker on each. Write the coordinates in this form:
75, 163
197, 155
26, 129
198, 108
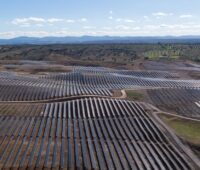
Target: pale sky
39, 18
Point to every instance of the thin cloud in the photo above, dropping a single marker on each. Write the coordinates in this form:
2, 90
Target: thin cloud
70, 21
106, 28
143, 25
162, 14
122, 27
125, 20
186, 16
34, 21
89, 27
18, 21
119, 19
119, 30
129, 20
146, 18
110, 17
52, 20
27, 22
83, 20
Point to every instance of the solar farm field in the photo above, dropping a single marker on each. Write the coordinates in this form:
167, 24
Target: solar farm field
184, 102
73, 120
88, 133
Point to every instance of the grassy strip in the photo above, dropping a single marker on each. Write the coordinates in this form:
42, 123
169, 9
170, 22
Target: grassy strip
134, 95
188, 130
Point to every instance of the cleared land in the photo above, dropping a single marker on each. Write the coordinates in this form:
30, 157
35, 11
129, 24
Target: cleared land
71, 119
88, 134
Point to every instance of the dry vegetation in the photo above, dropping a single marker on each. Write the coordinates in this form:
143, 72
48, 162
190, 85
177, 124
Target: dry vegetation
110, 55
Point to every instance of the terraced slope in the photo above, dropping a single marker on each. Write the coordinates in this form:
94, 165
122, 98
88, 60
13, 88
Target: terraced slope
89, 133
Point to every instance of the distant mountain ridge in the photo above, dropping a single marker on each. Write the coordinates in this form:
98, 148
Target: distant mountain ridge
99, 39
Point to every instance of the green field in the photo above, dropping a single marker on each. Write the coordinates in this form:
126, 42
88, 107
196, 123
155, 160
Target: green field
159, 54
134, 95
187, 130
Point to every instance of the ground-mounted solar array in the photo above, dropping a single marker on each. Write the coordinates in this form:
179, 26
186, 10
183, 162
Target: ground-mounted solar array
152, 74
72, 120
91, 133
83, 81
181, 101
105, 78
24, 88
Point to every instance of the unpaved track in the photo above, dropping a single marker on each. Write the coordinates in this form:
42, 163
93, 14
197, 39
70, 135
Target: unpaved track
158, 111
123, 96
171, 134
